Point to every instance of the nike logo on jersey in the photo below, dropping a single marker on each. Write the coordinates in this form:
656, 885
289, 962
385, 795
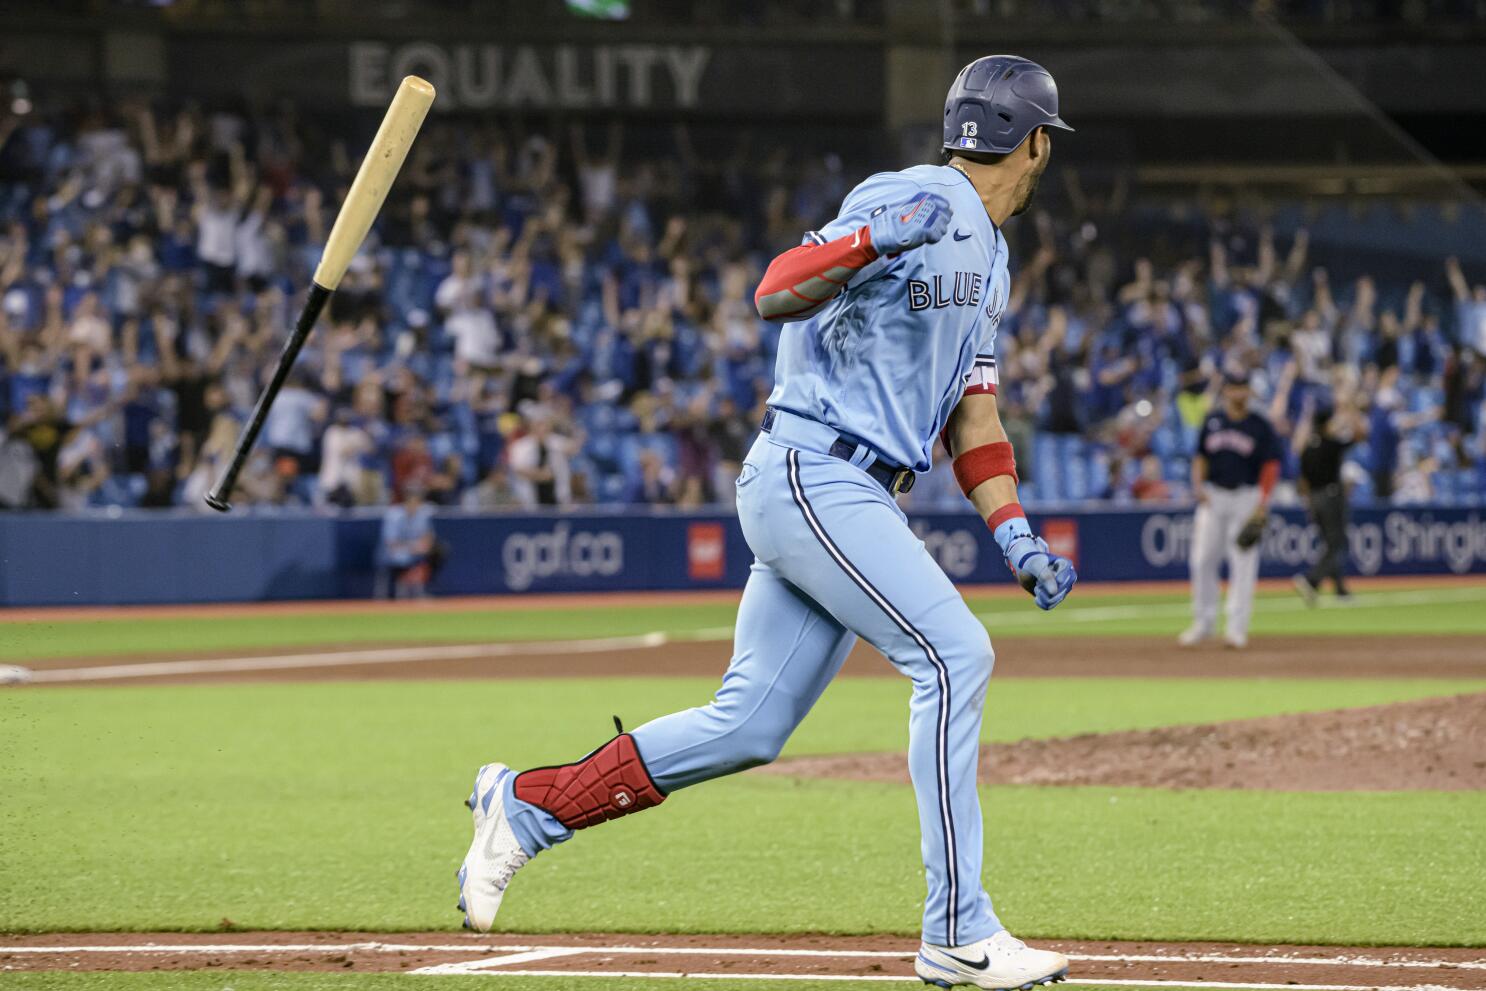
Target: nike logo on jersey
981, 964
933, 293
961, 235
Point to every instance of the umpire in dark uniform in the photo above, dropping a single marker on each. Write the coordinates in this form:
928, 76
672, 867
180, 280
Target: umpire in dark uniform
1321, 441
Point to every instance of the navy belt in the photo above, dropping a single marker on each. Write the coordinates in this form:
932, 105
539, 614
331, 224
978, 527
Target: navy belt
888, 475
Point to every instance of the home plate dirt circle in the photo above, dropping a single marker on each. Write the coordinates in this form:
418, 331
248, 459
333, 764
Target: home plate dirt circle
703, 958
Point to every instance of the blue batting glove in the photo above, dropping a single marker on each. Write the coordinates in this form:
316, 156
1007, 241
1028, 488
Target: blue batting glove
922, 220
1048, 577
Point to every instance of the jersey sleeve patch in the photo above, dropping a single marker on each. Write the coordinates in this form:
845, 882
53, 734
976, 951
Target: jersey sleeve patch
982, 378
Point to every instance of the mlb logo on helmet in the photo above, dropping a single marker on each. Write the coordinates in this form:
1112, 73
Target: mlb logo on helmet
999, 100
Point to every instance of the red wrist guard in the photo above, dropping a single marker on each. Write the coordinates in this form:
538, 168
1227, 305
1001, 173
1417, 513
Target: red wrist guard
1010, 511
984, 462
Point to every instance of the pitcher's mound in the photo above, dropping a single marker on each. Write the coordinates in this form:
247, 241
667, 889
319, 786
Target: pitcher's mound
1430, 744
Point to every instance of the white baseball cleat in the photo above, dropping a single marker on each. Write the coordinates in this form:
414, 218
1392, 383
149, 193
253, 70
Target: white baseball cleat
1000, 963
1194, 635
1236, 641
494, 854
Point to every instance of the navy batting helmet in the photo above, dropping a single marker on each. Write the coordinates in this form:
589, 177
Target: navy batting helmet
996, 102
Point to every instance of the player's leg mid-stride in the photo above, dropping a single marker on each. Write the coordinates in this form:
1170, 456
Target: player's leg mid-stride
870, 372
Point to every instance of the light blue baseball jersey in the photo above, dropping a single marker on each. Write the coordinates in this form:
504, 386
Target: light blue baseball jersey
886, 361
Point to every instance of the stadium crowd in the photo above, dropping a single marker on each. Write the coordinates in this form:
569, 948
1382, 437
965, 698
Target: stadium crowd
545, 322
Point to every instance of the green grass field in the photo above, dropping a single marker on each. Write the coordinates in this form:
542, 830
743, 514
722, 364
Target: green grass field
266, 804
337, 805
1450, 610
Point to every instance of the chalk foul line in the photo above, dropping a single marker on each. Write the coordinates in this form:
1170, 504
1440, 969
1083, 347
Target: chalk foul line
640, 641
1075, 980
486, 964
349, 658
496, 959
740, 951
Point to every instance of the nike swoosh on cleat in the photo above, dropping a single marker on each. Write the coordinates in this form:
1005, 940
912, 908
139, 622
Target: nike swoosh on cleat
973, 965
961, 237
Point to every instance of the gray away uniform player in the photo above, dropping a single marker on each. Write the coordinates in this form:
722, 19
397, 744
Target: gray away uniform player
1233, 471
891, 313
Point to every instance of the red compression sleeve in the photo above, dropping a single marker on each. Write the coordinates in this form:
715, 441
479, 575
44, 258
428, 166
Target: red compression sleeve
803, 278
985, 462
1269, 473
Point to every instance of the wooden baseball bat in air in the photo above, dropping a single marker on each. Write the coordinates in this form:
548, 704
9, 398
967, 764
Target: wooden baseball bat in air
369, 190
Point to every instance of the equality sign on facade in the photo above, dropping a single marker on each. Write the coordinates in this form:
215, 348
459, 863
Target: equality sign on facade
571, 77
664, 79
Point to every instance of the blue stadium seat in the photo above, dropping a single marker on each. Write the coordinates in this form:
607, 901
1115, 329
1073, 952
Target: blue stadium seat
610, 487
1097, 458
1074, 457
603, 448
1046, 466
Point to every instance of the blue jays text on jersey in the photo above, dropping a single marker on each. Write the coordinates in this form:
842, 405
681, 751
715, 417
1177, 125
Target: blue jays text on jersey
888, 358
964, 291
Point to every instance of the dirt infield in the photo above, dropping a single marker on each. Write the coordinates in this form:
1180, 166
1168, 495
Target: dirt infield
654, 655
1430, 744
698, 958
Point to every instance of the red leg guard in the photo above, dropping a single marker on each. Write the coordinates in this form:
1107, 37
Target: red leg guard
608, 783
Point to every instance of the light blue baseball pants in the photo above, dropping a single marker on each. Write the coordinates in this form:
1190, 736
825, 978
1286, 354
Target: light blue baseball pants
835, 560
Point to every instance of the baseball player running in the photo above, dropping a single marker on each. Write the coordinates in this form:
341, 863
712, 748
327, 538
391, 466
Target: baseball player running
892, 310
1233, 471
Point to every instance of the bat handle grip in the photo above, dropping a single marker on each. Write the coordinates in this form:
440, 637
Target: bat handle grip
218, 496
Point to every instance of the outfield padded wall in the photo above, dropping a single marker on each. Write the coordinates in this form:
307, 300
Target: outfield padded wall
167, 557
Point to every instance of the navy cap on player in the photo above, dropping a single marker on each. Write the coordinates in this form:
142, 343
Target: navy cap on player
997, 101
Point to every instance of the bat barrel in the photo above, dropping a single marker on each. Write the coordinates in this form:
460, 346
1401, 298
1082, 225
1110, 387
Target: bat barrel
378, 170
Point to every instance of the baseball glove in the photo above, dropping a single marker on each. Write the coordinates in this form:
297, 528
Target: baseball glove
1252, 532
